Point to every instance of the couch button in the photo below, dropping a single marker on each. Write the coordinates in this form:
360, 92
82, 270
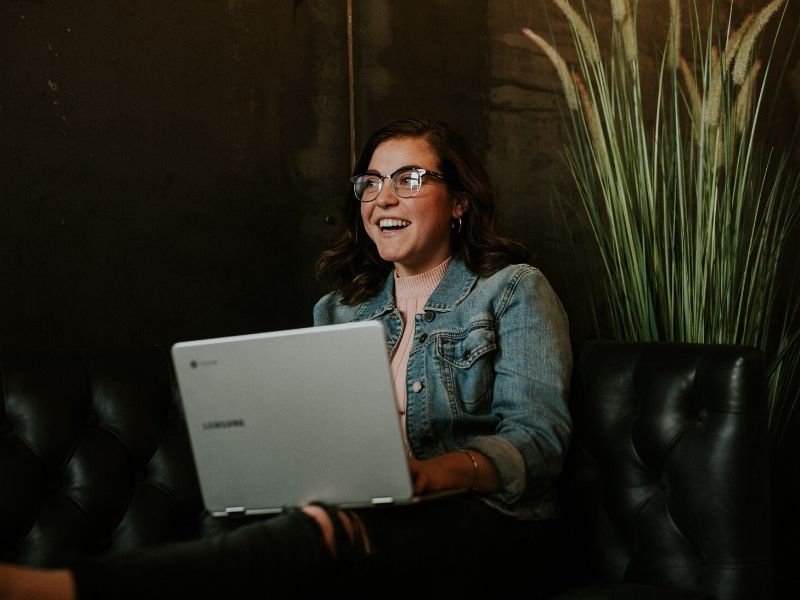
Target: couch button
416, 387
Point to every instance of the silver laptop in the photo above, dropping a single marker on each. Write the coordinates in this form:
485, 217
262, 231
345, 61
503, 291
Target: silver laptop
285, 418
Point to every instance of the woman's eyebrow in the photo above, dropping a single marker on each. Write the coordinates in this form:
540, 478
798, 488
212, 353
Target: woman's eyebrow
376, 172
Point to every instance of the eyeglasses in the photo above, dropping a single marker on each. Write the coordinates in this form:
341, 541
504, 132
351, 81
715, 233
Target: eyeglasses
406, 183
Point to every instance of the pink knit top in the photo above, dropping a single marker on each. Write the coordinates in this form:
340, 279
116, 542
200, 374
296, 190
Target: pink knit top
411, 293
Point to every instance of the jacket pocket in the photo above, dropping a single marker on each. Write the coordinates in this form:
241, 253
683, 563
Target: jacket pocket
468, 361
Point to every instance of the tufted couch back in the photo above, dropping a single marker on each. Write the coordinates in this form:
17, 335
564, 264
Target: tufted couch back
668, 481
94, 456
666, 484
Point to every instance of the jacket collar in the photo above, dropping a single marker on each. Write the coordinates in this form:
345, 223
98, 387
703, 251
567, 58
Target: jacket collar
454, 286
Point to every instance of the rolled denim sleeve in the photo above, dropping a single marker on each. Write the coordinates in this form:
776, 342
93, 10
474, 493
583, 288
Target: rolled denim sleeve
533, 368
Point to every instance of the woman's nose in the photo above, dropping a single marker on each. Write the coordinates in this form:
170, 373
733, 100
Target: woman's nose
386, 197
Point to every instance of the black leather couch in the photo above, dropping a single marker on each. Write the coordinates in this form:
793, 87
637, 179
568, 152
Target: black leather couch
666, 492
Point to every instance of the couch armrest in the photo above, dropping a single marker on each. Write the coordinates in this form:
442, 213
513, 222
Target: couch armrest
94, 455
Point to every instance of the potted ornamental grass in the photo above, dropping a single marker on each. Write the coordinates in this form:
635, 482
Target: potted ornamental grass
692, 210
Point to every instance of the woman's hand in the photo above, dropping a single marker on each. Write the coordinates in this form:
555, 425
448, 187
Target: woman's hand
453, 471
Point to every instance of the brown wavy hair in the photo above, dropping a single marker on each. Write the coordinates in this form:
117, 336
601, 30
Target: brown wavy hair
352, 264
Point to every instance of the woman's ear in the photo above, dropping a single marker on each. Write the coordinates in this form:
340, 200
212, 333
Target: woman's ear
461, 205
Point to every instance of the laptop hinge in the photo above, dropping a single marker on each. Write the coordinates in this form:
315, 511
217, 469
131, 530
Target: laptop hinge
382, 500
235, 511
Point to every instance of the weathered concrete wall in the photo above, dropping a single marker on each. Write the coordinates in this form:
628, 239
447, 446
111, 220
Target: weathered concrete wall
170, 170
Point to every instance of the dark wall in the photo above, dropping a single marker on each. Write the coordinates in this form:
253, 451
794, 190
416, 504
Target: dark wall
163, 164
170, 169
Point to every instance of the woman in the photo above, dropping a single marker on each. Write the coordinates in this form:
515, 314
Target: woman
481, 361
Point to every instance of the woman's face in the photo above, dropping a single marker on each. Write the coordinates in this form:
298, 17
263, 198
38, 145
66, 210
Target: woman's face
413, 233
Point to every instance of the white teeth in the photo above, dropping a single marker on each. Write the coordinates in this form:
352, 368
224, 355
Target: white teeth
393, 223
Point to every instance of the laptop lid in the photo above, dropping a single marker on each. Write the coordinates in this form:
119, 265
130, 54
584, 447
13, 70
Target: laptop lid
285, 418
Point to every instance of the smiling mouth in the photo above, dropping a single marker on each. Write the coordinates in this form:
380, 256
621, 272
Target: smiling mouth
393, 224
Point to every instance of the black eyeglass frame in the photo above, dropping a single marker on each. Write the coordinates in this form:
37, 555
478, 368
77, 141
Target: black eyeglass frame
419, 170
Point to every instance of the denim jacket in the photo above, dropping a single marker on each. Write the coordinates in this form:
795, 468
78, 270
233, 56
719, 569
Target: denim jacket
489, 369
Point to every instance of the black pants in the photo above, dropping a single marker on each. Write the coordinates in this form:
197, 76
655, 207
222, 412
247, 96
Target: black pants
450, 546
460, 545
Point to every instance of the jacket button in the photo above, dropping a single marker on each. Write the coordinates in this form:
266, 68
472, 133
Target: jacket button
416, 387
429, 315
422, 338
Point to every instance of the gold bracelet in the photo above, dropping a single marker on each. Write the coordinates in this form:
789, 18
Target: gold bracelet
474, 468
